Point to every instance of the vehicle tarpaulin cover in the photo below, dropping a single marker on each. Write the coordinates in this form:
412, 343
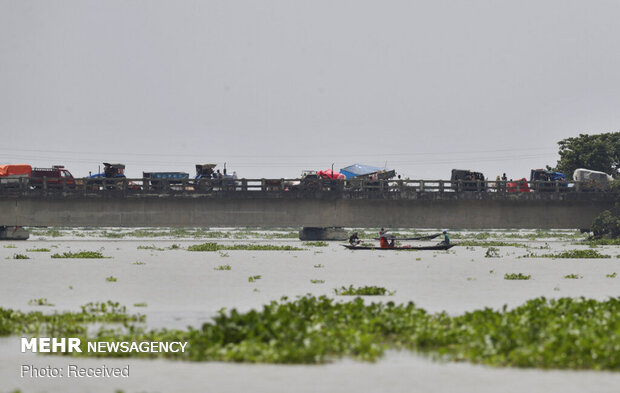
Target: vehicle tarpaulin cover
328, 174
15, 170
359, 170
590, 175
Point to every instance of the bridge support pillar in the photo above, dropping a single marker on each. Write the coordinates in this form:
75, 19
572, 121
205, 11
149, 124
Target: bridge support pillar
13, 233
323, 233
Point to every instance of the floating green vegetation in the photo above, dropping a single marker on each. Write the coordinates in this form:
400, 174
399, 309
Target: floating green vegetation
315, 244
10, 246
143, 304
516, 276
175, 247
254, 278
363, 291
490, 243
573, 276
223, 254
223, 267
38, 250
79, 254
518, 235
38, 302
317, 281
561, 333
198, 233
612, 275
319, 266
139, 263
112, 235
20, 256
66, 324
587, 254
47, 232
492, 252
152, 247
251, 247
601, 242
111, 279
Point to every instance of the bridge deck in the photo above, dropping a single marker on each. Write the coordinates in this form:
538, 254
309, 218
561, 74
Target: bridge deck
424, 204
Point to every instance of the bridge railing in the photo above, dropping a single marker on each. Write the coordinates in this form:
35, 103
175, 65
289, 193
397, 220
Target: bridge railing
145, 186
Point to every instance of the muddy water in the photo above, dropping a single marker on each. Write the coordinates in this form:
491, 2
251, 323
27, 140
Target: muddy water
182, 288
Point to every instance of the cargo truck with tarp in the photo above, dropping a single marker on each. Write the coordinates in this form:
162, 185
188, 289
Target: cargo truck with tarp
592, 180
362, 176
369, 171
542, 180
15, 173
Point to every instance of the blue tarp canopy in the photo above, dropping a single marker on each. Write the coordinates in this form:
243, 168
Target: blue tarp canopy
359, 170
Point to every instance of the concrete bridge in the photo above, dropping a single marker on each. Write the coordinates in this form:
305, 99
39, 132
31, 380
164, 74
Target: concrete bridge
420, 204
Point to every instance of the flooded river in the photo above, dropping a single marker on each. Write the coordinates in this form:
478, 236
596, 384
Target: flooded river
176, 288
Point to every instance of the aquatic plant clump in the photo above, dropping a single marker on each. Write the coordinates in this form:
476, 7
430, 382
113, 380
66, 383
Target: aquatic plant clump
517, 276
315, 244
66, 324
38, 250
561, 333
20, 256
40, 302
492, 252
80, 254
491, 243
586, 254
362, 291
247, 247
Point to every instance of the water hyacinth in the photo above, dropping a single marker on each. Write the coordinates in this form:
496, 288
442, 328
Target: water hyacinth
80, 254
247, 247
557, 333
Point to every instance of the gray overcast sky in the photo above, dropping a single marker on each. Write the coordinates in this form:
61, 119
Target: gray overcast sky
275, 87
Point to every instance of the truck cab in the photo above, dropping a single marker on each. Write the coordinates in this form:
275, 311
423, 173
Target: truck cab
55, 177
466, 180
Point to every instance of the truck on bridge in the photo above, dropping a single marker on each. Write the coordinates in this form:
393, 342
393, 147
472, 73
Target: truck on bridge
160, 180
55, 177
13, 174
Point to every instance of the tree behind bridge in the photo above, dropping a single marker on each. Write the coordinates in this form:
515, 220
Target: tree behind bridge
599, 152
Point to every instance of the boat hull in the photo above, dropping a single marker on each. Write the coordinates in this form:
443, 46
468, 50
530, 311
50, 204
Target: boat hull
441, 247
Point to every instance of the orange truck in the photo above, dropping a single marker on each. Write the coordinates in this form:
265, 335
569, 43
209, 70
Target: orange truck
13, 173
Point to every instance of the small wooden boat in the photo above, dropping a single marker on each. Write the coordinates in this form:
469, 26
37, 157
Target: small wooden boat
428, 237
405, 248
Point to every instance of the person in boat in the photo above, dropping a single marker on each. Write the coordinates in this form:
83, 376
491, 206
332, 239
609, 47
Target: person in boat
354, 239
383, 241
446, 239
